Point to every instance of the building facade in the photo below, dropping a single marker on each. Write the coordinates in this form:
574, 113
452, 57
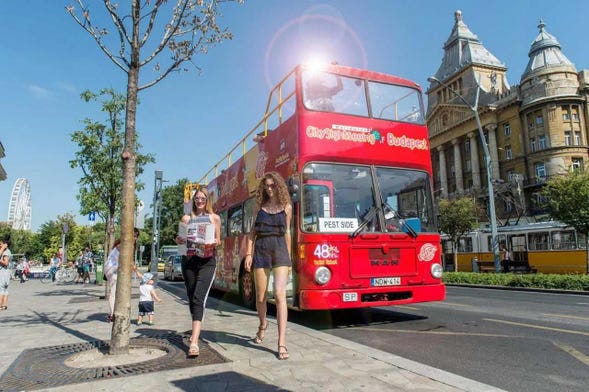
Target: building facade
533, 130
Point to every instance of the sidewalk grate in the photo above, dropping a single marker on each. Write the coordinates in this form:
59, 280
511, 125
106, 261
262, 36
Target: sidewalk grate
44, 367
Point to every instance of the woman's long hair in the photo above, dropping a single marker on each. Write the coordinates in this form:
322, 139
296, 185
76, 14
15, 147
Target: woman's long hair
208, 205
281, 190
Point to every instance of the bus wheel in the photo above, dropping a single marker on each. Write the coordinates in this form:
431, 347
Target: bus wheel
247, 289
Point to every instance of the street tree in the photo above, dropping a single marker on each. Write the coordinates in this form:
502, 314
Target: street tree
100, 159
191, 28
457, 217
567, 198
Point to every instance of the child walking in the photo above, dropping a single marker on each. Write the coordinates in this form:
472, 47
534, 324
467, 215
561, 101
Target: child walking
147, 295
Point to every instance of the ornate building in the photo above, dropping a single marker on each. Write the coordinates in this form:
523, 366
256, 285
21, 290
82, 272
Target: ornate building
533, 130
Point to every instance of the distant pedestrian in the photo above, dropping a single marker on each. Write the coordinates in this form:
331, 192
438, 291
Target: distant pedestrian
87, 264
147, 295
506, 259
111, 268
268, 248
80, 267
54, 265
5, 256
198, 267
21, 268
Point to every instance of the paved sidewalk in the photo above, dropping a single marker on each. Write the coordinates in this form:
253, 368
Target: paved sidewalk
41, 315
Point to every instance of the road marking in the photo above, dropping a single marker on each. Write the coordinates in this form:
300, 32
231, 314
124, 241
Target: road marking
565, 316
575, 353
540, 327
456, 304
435, 332
406, 307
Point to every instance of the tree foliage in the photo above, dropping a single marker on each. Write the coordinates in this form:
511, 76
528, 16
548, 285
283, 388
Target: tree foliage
457, 217
567, 198
191, 28
100, 159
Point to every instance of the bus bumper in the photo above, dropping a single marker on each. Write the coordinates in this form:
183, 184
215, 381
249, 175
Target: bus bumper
363, 298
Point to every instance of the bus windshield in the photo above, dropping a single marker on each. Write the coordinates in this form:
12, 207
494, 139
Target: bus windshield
328, 92
343, 198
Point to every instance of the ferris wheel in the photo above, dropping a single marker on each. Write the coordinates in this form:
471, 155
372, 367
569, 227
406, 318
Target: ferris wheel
19, 207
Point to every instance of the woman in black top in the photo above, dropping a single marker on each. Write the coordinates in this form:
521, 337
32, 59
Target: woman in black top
271, 236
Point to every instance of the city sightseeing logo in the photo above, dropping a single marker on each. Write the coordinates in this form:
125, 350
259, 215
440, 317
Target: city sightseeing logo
427, 252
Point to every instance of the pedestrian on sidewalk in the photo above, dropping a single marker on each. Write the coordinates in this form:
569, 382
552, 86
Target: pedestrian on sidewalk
199, 264
80, 267
87, 264
110, 272
147, 295
271, 237
54, 265
5, 256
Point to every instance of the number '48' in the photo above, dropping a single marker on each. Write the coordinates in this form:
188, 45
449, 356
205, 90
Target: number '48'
322, 251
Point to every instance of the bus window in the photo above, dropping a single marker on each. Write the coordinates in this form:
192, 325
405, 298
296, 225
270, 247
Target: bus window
317, 205
538, 241
397, 103
223, 217
333, 93
406, 192
248, 214
351, 203
235, 218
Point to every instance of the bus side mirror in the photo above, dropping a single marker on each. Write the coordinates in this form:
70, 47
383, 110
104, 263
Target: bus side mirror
294, 188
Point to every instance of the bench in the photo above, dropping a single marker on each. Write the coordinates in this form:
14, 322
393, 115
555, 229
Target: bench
486, 266
518, 267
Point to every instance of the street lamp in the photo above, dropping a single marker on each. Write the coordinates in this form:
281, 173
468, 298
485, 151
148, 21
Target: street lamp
157, 189
490, 189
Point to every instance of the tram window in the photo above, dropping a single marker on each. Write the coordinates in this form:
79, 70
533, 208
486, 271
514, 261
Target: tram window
465, 244
563, 240
581, 238
223, 216
248, 214
538, 241
235, 217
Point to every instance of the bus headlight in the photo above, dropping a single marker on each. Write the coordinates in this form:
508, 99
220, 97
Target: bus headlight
437, 270
322, 275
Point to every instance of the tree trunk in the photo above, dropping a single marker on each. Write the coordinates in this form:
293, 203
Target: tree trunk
455, 255
119, 343
587, 250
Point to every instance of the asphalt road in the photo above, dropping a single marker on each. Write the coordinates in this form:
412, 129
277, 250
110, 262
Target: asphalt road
514, 340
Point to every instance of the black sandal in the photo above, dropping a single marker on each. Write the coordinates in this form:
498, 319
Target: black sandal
259, 339
282, 355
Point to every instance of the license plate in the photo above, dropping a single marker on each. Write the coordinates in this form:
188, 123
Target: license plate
391, 281
350, 297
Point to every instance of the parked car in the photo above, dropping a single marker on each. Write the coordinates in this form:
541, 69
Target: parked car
173, 268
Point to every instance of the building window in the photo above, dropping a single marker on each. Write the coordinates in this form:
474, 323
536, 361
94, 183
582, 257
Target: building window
541, 142
565, 113
539, 120
508, 153
540, 169
577, 138
532, 144
577, 164
567, 138
506, 130
467, 147
575, 113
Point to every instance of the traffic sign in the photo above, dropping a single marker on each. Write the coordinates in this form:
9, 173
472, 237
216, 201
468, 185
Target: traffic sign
92, 216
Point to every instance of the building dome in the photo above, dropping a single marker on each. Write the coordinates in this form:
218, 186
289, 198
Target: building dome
545, 55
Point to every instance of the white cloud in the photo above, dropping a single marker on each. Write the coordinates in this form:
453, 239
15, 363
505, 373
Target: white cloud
40, 92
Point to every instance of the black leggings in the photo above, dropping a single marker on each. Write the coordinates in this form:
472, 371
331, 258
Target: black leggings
198, 277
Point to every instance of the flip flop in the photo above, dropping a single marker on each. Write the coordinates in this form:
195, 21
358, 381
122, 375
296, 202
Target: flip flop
259, 339
193, 351
282, 355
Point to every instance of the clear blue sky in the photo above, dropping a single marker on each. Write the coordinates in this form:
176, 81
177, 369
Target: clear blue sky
189, 120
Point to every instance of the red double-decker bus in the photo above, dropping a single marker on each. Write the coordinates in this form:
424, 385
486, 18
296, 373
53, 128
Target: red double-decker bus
353, 147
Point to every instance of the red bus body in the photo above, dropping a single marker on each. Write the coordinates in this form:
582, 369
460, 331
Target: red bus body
346, 167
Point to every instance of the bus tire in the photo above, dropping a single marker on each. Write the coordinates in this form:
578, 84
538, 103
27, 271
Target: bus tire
247, 289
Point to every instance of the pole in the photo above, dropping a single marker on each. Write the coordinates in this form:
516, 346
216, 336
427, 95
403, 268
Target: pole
157, 187
491, 191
